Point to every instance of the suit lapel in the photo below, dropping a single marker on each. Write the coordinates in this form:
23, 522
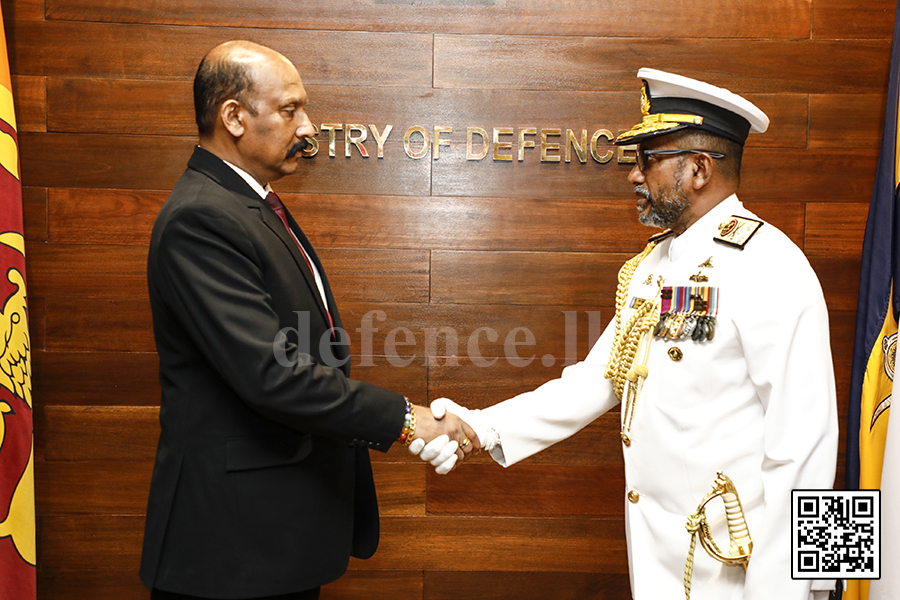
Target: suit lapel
215, 168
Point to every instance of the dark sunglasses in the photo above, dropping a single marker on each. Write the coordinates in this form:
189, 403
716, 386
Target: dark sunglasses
644, 155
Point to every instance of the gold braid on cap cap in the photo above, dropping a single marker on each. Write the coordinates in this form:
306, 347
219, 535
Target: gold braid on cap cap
658, 121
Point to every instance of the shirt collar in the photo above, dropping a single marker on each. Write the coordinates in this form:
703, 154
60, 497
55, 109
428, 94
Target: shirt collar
706, 226
262, 191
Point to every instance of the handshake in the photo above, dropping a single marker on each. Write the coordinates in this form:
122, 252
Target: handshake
453, 432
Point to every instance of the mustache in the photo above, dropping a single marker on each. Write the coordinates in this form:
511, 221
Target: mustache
300, 146
642, 191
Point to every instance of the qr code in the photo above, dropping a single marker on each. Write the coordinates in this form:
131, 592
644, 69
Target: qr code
836, 534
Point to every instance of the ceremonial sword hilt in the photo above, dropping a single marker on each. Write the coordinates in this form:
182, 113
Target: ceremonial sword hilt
740, 545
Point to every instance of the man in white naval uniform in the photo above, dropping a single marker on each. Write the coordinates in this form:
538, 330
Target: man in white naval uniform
726, 368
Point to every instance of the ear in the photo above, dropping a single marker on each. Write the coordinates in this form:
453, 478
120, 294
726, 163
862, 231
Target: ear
230, 113
703, 166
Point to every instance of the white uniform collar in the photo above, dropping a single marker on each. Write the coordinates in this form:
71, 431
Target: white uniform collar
706, 226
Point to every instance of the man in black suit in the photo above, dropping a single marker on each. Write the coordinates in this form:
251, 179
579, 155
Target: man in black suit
262, 486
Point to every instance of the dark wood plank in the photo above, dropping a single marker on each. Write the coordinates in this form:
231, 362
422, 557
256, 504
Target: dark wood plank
789, 217
509, 277
121, 105
375, 585
88, 271
401, 487
111, 542
85, 543
22, 9
840, 281
835, 229
92, 325
499, 585
97, 216
829, 114
132, 378
528, 491
459, 223
96, 378
165, 52
34, 213
85, 215
37, 320
97, 324
110, 434
566, 337
76, 105
366, 275
570, 545
721, 19
120, 487
572, 63
156, 162
113, 584
92, 488
825, 175
119, 272
819, 175
842, 19
30, 100
103, 161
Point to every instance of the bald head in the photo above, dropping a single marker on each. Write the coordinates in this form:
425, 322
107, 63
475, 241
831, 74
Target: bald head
230, 70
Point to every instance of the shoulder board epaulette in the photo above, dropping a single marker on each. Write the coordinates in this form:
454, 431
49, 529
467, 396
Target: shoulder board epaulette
658, 237
736, 231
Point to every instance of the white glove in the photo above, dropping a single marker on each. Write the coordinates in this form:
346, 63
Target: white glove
440, 452
478, 420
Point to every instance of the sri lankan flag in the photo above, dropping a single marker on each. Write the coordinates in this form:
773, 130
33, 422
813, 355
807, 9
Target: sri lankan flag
875, 347
17, 541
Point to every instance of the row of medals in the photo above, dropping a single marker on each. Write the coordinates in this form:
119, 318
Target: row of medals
680, 326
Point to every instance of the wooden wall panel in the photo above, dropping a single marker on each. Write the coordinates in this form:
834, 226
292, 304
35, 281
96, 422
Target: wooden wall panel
508, 277
119, 272
34, 207
167, 53
156, 162
436, 246
489, 585
759, 66
30, 100
835, 229
166, 108
837, 19
529, 491
570, 545
377, 585
97, 378
722, 18
853, 122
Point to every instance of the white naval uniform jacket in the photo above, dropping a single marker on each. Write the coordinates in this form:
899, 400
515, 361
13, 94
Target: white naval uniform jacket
757, 403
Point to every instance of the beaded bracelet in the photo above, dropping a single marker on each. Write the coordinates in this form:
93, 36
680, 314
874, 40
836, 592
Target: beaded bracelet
409, 425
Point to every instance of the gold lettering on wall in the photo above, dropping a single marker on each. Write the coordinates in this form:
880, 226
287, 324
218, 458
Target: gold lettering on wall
556, 144
438, 142
485, 145
498, 145
425, 142
380, 139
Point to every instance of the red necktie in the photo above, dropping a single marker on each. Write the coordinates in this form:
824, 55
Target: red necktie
277, 205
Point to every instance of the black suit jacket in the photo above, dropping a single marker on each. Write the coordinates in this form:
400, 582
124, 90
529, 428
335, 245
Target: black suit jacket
262, 483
